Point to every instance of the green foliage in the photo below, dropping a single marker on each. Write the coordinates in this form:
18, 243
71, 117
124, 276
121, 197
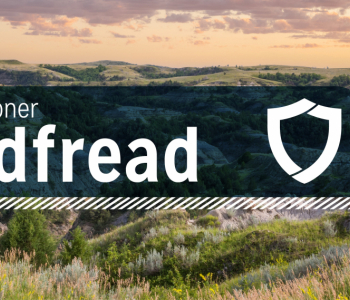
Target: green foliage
269, 68
27, 232
23, 78
11, 62
168, 83
99, 218
88, 74
292, 79
117, 78
208, 221
78, 247
245, 158
341, 80
56, 216
225, 254
151, 72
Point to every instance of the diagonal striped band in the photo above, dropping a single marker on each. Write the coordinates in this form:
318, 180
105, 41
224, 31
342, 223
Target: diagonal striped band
155, 203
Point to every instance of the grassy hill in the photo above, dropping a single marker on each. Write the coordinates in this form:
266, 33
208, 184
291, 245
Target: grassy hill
160, 255
126, 74
11, 62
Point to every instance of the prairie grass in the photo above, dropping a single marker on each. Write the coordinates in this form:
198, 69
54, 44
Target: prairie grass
277, 260
19, 279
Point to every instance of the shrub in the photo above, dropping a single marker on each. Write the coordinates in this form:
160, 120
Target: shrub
291, 239
231, 212
152, 215
245, 158
169, 248
78, 247
213, 238
329, 228
151, 235
153, 263
195, 229
296, 269
187, 258
253, 220
179, 239
27, 232
163, 230
208, 220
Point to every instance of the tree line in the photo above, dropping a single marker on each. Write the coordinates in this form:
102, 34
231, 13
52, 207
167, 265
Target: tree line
292, 79
88, 74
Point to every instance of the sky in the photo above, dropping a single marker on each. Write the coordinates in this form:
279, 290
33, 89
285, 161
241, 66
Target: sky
178, 33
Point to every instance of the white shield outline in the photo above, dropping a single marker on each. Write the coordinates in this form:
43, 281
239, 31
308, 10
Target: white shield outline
275, 115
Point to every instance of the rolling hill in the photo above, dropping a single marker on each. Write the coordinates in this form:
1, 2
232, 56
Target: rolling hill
127, 74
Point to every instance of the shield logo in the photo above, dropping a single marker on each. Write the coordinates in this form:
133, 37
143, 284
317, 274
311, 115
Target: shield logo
274, 118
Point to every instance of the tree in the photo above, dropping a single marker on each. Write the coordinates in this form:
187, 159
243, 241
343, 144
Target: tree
78, 247
27, 232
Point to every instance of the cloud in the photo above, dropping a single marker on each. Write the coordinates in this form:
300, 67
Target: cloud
135, 27
307, 45
200, 43
283, 46
304, 46
129, 41
341, 37
115, 12
207, 24
155, 39
300, 17
59, 26
177, 18
122, 36
91, 41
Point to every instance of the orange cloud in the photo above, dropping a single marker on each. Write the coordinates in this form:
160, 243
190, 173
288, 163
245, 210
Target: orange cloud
91, 41
155, 39
200, 43
58, 26
129, 41
121, 36
177, 18
136, 27
304, 46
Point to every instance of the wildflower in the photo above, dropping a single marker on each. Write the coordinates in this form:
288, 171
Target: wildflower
203, 277
341, 297
179, 291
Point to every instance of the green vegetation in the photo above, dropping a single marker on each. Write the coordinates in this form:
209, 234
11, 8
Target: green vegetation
232, 251
23, 78
27, 232
168, 83
341, 80
208, 221
179, 260
292, 79
77, 247
151, 72
117, 78
88, 74
11, 62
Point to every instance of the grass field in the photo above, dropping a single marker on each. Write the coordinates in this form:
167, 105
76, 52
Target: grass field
232, 75
282, 260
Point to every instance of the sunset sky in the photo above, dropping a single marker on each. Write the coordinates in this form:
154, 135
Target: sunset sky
177, 33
